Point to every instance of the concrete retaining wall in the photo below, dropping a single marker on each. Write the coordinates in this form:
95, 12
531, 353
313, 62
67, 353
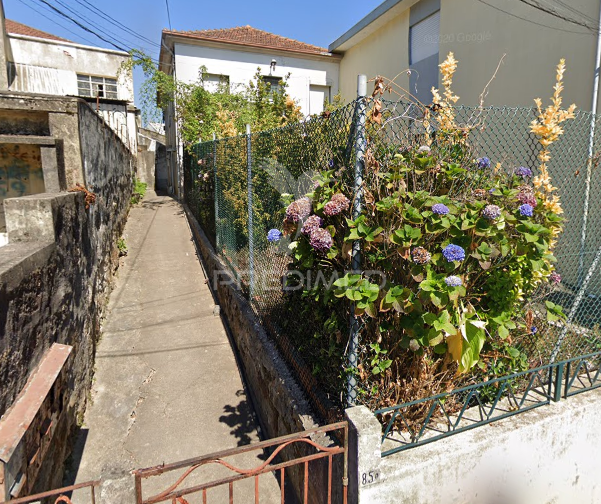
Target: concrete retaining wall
546, 455
55, 273
278, 400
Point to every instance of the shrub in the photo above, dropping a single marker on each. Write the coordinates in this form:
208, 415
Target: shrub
454, 246
138, 192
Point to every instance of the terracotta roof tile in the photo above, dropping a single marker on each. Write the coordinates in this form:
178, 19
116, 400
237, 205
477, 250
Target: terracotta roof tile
249, 36
21, 29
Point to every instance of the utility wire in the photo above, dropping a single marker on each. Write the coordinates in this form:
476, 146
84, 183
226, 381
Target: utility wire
56, 22
168, 14
129, 44
83, 27
538, 6
573, 10
91, 7
530, 20
113, 41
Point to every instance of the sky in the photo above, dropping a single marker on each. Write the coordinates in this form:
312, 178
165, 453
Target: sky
312, 21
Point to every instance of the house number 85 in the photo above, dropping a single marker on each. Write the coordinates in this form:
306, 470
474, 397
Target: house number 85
367, 478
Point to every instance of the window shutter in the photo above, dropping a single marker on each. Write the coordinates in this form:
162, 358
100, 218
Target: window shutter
424, 38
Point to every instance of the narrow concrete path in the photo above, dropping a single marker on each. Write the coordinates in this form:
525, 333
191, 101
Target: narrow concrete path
167, 386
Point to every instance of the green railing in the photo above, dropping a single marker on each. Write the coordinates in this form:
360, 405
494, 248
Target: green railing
426, 420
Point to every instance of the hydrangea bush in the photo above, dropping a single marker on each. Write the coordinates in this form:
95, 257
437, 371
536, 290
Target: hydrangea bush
454, 245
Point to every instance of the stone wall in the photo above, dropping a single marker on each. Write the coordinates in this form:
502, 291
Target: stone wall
278, 400
55, 273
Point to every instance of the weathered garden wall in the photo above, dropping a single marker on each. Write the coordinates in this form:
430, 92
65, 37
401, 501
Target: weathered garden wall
546, 455
55, 273
278, 400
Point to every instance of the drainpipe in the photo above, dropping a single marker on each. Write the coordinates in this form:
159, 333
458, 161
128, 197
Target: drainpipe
589, 164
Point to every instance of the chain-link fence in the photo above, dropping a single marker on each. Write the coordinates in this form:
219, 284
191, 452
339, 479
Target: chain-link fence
238, 189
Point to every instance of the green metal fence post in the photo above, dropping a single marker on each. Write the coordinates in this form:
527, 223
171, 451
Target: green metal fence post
251, 245
215, 192
360, 148
558, 381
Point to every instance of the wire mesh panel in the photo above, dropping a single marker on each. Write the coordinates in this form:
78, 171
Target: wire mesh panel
285, 163
199, 183
503, 135
239, 188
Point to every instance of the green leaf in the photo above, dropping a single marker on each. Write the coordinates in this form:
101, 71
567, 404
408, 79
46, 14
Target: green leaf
475, 336
435, 338
503, 332
353, 235
386, 204
441, 349
554, 312
513, 352
436, 299
465, 345
353, 294
428, 285
371, 310
412, 215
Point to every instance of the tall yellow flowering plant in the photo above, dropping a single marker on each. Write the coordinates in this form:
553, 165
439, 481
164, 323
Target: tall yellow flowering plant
548, 129
445, 103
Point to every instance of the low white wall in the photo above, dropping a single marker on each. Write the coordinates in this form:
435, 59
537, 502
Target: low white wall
546, 455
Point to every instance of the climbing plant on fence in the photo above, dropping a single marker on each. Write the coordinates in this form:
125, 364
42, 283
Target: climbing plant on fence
458, 281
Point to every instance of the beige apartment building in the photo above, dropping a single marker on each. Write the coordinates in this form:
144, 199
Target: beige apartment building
532, 34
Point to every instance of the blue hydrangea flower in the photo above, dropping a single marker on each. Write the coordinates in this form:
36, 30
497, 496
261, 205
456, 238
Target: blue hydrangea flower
491, 212
526, 210
483, 163
453, 253
440, 209
453, 281
523, 172
274, 235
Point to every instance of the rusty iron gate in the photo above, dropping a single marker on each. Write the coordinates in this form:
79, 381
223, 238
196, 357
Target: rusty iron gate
58, 495
305, 450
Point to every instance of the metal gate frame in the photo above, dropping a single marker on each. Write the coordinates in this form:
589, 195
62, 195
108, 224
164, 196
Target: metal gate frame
176, 496
59, 493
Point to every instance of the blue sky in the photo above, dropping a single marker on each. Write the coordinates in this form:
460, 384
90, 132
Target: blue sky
313, 21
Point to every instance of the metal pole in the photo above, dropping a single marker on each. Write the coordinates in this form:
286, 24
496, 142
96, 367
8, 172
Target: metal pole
360, 148
591, 148
216, 192
251, 245
575, 305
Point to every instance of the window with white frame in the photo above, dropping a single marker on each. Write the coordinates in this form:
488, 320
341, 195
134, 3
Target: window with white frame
424, 38
103, 87
272, 82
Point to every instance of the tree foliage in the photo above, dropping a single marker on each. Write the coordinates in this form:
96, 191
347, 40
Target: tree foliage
200, 112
